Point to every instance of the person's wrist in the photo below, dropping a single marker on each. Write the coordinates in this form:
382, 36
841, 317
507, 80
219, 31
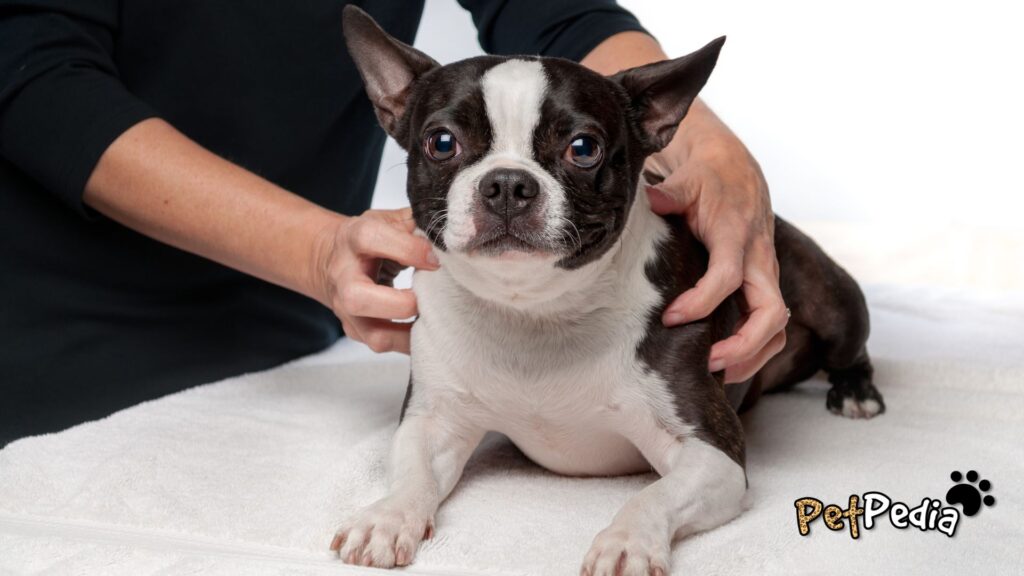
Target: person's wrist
719, 150
712, 144
703, 131
699, 149
698, 135
319, 281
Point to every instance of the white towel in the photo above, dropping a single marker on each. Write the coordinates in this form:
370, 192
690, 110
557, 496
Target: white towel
251, 475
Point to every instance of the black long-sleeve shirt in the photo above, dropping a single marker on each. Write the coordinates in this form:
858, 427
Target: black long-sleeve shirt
95, 317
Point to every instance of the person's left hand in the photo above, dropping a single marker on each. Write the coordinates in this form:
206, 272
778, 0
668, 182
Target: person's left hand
713, 181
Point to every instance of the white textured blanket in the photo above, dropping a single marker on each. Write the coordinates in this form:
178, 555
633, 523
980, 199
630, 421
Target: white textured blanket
250, 475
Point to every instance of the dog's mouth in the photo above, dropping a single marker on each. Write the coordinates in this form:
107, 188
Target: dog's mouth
506, 243
502, 241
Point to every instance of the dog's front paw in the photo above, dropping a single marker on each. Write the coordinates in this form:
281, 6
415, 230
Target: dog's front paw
384, 535
627, 549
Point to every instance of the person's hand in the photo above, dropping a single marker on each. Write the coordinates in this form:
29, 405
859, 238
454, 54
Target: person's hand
357, 253
719, 188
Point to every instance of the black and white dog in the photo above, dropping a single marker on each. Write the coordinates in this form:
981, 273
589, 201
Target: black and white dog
543, 322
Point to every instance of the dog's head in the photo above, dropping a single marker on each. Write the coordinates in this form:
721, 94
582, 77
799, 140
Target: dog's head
521, 169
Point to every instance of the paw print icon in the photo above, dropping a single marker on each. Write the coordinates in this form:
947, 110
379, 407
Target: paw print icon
968, 494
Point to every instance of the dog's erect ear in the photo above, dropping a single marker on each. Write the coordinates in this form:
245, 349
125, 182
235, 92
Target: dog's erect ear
662, 92
388, 66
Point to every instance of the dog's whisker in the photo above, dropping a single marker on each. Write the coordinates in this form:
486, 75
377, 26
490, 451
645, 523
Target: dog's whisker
436, 220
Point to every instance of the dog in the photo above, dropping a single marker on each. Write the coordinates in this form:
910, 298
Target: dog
543, 321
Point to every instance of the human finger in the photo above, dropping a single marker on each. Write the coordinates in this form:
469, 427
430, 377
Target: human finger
384, 335
375, 238
746, 369
723, 277
768, 316
364, 298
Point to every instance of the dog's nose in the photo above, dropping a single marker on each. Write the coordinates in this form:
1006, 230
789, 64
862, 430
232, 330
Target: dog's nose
507, 191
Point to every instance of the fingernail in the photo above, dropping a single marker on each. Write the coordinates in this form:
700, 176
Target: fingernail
432, 258
716, 364
673, 318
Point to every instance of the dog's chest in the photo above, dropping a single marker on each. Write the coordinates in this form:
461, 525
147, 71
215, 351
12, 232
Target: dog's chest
557, 393
564, 389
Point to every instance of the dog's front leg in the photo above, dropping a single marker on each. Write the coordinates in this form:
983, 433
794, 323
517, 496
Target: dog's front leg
428, 454
700, 488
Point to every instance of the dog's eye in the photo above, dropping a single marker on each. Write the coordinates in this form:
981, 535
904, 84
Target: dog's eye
584, 152
442, 145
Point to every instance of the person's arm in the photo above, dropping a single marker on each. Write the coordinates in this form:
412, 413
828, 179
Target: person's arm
61, 99
68, 122
712, 179
156, 181
563, 28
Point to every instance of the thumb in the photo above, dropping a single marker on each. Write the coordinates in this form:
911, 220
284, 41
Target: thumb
664, 202
403, 218
673, 195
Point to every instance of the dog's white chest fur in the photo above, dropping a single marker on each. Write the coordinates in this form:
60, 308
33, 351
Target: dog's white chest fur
562, 380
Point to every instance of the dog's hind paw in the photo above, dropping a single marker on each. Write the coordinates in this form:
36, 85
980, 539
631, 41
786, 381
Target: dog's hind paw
853, 408
855, 400
853, 394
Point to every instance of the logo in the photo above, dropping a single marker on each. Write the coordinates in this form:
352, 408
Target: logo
968, 495
929, 515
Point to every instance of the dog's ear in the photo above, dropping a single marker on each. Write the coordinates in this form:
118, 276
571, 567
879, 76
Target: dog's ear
388, 66
661, 93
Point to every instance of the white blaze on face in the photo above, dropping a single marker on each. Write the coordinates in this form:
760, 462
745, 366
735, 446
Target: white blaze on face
513, 93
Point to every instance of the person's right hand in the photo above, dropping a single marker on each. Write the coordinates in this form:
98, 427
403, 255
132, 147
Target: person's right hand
349, 268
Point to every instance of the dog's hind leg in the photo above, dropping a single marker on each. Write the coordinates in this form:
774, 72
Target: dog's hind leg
828, 329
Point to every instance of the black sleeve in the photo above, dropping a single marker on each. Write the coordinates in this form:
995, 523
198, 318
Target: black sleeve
564, 28
61, 101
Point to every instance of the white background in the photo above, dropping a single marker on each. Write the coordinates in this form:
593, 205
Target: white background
890, 130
